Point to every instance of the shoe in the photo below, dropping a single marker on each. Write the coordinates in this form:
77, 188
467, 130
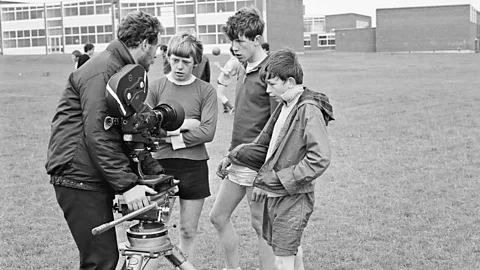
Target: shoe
225, 108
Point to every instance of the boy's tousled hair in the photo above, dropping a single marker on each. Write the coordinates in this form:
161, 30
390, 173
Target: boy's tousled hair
137, 26
88, 47
282, 64
246, 21
77, 53
184, 44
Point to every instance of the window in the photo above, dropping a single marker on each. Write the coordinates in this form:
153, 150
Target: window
103, 9
22, 15
102, 38
186, 20
208, 38
10, 43
22, 43
73, 11
225, 7
36, 14
88, 39
247, 3
90, 10
54, 13
222, 39
169, 31
8, 16
206, 8
185, 9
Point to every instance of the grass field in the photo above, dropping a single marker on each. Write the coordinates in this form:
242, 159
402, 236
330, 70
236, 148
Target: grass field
401, 192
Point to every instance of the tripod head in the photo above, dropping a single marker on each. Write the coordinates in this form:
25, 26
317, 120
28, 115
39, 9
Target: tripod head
140, 124
158, 212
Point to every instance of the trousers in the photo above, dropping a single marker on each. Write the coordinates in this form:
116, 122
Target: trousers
83, 210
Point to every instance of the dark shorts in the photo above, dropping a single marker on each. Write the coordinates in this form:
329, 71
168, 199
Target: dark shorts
193, 176
284, 219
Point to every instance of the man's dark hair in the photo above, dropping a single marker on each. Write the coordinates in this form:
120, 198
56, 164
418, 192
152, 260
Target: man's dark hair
246, 21
88, 47
137, 26
164, 48
77, 53
282, 64
266, 46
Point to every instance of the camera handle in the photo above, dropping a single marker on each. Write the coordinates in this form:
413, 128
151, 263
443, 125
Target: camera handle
107, 226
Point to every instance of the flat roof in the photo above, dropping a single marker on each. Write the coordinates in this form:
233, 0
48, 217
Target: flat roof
349, 13
414, 7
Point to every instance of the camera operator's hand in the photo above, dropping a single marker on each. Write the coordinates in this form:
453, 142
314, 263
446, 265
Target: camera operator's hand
258, 195
175, 189
222, 167
136, 197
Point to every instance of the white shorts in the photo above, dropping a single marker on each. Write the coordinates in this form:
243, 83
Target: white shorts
240, 175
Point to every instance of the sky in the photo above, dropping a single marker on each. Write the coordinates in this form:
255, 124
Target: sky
368, 7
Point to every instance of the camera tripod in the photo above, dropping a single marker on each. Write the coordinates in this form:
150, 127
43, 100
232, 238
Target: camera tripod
148, 239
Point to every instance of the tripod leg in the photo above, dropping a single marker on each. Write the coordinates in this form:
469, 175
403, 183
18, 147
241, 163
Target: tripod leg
178, 259
139, 262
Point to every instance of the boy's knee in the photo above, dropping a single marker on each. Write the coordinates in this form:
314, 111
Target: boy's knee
217, 221
188, 232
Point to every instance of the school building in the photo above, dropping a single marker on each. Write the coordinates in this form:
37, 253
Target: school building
319, 31
65, 26
448, 28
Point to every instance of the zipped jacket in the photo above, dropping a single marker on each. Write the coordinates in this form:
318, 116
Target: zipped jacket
81, 153
302, 152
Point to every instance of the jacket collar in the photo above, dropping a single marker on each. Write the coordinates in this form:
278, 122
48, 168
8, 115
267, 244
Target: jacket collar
118, 48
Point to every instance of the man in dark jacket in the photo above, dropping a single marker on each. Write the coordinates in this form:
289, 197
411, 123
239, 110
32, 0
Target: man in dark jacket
89, 49
87, 163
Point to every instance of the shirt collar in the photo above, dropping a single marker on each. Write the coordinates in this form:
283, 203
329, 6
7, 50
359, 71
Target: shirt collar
292, 95
187, 82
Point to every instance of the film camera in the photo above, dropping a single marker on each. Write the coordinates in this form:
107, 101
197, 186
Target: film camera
142, 128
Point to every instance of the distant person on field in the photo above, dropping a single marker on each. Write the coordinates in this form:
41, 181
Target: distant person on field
89, 49
227, 73
266, 47
290, 154
166, 63
75, 56
88, 164
253, 107
183, 152
202, 69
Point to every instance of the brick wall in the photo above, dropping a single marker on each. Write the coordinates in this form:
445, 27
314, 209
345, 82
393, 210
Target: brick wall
355, 40
285, 24
425, 29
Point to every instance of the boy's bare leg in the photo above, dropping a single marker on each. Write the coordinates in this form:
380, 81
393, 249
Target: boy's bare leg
299, 259
265, 252
228, 197
190, 211
284, 262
